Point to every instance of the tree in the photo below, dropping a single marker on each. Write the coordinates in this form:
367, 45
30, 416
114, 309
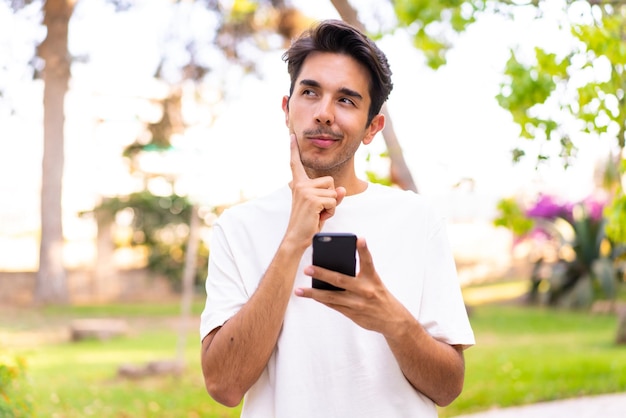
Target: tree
555, 96
51, 278
434, 23
552, 96
51, 283
531, 87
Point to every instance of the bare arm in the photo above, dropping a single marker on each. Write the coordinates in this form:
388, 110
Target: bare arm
234, 355
434, 368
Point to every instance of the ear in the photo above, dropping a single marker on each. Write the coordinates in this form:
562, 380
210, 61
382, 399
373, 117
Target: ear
286, 109
377, 125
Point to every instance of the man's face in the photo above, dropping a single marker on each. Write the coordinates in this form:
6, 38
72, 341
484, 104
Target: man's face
328, 113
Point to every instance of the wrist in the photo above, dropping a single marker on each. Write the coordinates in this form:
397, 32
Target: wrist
293, 245
402, 326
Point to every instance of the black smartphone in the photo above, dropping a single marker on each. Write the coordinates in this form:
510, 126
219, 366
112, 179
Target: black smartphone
334, 251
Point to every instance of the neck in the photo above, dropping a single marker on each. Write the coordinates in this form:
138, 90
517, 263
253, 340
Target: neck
356, 187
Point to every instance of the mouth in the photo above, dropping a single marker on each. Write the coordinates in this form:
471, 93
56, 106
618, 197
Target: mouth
322, 140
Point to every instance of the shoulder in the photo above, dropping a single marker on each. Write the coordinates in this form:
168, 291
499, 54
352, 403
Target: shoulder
405, 204
398, 196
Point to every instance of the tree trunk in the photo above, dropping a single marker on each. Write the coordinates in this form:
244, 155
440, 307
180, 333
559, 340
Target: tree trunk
399, 171
189, 273
51, 285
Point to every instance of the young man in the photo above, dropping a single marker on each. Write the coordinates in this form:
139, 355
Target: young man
391, 344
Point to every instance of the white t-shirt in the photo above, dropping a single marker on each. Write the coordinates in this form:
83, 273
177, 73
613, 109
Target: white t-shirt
324, 365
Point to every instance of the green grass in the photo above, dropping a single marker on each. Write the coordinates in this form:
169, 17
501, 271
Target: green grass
80, 379
523, 355
167, 309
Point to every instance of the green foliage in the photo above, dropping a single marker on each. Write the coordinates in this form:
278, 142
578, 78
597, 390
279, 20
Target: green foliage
512, 216
160, 224
375, 177
578, 227
243, 10
601, 101
616, 216
549, 79
527, 87
597, 103
433, 22
586, 87
589, 235
14, 399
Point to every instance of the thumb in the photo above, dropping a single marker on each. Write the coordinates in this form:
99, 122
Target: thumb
341, 193
366, 264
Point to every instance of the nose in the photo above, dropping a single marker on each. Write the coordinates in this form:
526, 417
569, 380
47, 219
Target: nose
324, 114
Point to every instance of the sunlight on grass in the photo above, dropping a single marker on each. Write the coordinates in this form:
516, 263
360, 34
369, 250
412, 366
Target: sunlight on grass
523, 355
171, 308
80, 379
478, 295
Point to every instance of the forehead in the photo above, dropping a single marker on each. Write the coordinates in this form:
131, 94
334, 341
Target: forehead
333, 70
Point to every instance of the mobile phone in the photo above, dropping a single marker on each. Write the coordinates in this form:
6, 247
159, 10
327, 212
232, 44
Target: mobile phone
334, 251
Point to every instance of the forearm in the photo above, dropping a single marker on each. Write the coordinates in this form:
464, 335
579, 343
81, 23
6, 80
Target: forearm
434, 368
234, 357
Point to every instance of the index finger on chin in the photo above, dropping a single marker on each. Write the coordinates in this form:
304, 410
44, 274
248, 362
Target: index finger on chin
297, 169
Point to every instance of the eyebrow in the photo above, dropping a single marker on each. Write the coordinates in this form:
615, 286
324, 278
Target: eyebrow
342, 90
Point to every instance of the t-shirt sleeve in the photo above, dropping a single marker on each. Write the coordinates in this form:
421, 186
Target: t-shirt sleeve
225, 291
443, 313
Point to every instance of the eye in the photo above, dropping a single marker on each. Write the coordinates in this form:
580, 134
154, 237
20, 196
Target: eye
347, 101
308, 92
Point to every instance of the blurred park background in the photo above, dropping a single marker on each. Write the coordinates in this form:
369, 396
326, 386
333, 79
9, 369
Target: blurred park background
128, 126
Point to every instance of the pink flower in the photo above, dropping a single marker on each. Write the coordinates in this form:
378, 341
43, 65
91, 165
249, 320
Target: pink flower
594, 206
547, 207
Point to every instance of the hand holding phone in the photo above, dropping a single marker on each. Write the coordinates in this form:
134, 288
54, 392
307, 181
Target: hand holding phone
334, 251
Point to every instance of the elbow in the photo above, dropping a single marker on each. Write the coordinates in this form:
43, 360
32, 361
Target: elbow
446, 397
223, 394
220, 388
454, 382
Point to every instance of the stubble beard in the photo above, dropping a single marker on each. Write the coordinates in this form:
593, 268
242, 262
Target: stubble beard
319, 167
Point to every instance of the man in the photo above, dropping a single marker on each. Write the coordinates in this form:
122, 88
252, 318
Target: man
391, 344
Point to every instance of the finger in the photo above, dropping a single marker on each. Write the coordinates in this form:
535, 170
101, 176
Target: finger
330, 298
366, 264
329, 209
341, 193
297, 169
327, 297
331, 277
305, 292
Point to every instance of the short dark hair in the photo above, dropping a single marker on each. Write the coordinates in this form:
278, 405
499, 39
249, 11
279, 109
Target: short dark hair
336, 36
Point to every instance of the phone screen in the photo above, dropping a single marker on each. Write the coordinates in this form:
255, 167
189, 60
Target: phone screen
334, 251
